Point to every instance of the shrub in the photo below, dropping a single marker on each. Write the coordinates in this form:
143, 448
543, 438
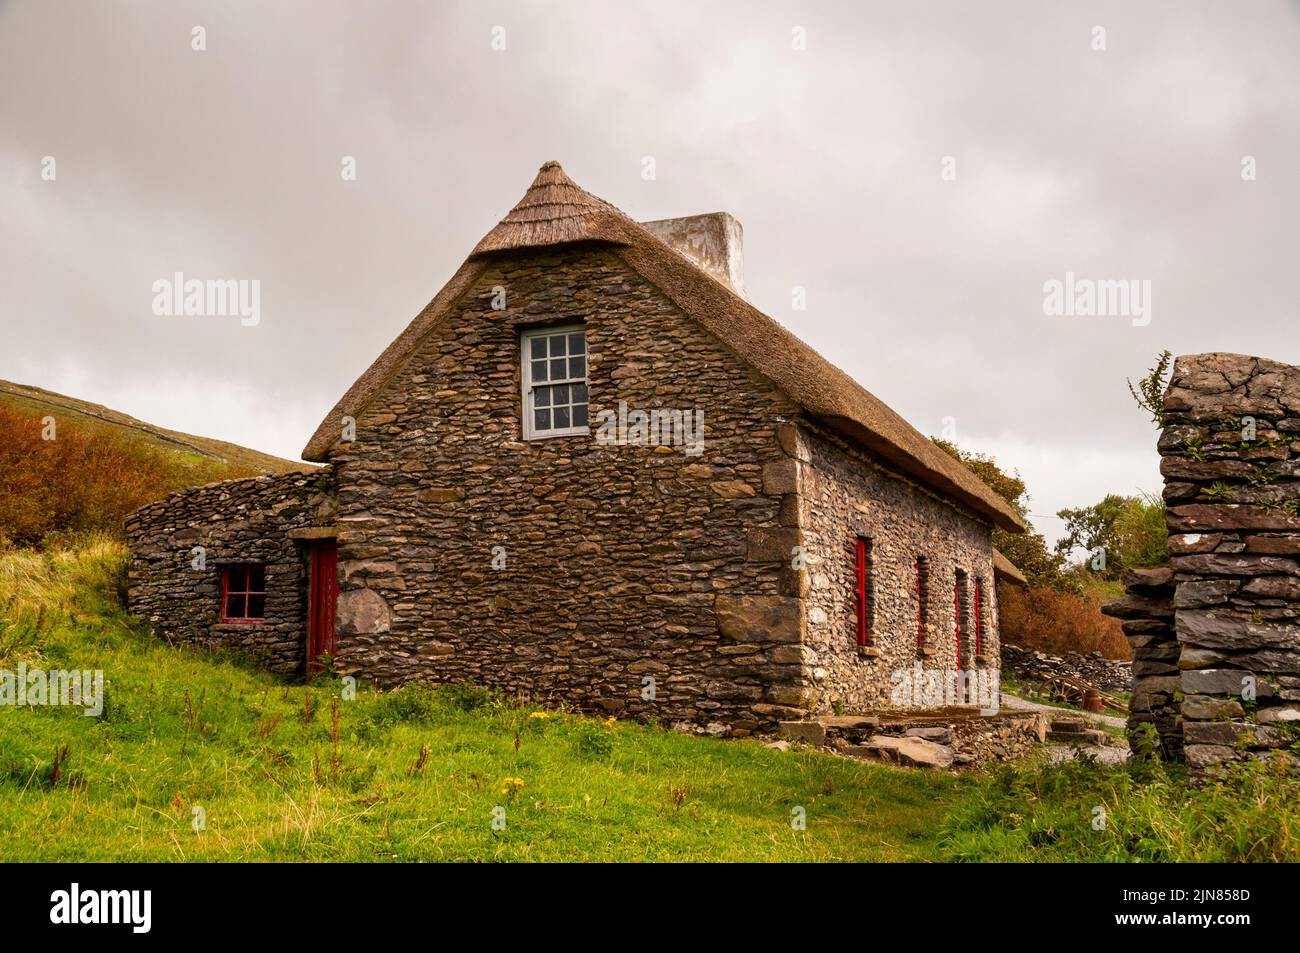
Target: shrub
592, 741
413, 703
87, 479
1048, 620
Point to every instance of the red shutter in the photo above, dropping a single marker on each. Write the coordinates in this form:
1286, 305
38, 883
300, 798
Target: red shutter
979, 649
860, 587
956, 618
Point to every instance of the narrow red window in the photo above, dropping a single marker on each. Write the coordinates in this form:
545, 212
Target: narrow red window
861, 590
243, 594
979, 627
956, 617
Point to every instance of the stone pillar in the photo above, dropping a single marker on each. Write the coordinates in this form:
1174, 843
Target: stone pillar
1230, 455
1148, 613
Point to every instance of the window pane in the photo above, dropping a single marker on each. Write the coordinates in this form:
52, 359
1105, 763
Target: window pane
561, 417
557, 369
578, 343
541, 420
539, 370
580, 415
577, 367
538, 348
578, 394
542, 396
257, 579
256, 607
234, 606
557, 344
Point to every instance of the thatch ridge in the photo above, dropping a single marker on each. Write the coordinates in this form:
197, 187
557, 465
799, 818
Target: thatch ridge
565, 213
554, 211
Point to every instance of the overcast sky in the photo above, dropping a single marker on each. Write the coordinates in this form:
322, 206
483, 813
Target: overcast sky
1117, 163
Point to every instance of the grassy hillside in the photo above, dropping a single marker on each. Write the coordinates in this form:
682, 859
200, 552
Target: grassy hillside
294, 772
84, 415
95, 466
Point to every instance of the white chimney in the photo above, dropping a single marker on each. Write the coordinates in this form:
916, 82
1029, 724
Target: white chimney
713, 241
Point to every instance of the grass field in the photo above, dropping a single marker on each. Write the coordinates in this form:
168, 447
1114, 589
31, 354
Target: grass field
279, 771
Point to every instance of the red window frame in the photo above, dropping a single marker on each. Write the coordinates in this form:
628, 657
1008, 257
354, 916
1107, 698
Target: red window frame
861, 554
238, 582
956, 616
979, 628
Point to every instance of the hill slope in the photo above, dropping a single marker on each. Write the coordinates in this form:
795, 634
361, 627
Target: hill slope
40, 402
97, 465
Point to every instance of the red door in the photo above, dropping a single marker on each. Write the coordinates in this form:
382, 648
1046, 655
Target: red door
322, 597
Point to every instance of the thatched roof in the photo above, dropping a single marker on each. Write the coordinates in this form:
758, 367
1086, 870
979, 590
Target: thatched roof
1006, 570
556, 211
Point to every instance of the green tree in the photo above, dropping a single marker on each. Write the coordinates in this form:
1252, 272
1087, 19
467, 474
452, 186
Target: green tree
1129, 529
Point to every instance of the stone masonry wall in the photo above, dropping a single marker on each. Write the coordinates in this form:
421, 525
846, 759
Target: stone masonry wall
237, 521
1148, 613
844, 496
561, 567
1230, 454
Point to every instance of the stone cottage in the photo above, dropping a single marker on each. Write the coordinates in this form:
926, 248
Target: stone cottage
591, 470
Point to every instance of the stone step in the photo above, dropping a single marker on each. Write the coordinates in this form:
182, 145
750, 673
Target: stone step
1089, 736
912, 752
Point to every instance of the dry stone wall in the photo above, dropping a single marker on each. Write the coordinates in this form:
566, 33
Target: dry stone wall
1147, 611
180, 544
1109, 675
1230, 455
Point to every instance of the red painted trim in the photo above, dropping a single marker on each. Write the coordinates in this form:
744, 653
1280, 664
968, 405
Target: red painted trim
956, 618
978, 621
860, 587
322, 601
246, 570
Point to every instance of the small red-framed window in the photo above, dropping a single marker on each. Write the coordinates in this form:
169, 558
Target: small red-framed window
979, 616
243, 593
862, 589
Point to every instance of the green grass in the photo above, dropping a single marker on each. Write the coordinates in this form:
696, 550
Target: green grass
1143, 811
296, 772
279, 779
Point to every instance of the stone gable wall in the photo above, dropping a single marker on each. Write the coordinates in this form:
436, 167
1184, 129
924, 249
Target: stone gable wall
619, 560
844, 496
237, 521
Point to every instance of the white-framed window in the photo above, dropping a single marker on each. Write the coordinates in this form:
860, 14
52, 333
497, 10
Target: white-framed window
554, 381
